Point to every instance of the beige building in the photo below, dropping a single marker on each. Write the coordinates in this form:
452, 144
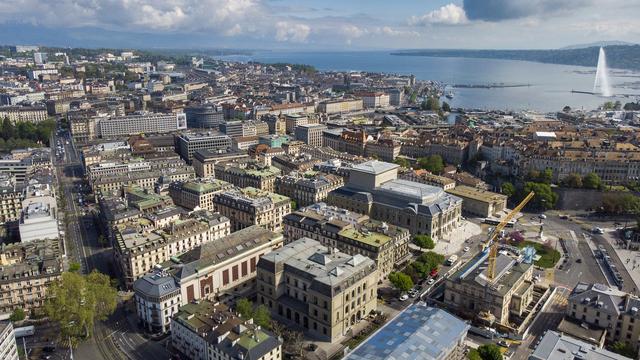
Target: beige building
139, 246
292, 121
351, 233
15, 114
372, 100
478, 202
605, 308
310, 134
324, 292
340, 106
469, 292
248, 174
197, 194
425, 177
250, 206
26, 271
373, 189
307, 190
114, 183
204, 161
211, 331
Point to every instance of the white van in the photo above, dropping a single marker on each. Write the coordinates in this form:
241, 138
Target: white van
452, 260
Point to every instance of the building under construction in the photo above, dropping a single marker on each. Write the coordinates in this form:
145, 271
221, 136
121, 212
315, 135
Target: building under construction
504, 301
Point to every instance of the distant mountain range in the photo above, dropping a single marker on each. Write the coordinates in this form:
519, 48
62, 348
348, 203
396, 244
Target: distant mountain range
618, 56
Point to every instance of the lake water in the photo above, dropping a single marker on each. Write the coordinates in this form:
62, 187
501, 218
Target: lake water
549, 86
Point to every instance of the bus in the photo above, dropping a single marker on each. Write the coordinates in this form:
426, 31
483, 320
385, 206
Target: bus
491, 221
24, 331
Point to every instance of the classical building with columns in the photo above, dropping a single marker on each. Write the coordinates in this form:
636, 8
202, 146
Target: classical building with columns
375, 190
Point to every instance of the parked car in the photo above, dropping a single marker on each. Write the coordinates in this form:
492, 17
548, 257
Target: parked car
503, 343
434, 273
466, 249
404, 297
542, 216
597, 230
431, 281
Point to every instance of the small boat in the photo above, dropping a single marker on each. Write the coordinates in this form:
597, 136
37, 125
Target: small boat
449, 95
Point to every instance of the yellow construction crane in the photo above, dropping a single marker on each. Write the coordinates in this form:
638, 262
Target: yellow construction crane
491, 242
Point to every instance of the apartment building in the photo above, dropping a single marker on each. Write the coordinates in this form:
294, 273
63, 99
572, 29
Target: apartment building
351, 233
373, 189
383, 149
210, 331
606, 308
371, 100
188, 143
425, 177
114, 183
32, 114
8, 347
325, 292
250, 206
139, 245
310, 134
157, 299
247, 174
26, 272
197, 194
308, 189
292, 121
119, 126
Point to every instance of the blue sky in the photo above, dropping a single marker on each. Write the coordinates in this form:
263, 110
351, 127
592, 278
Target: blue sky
313, 25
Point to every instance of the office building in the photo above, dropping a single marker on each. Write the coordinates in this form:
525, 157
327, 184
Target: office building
310, 134
250, 206
322, 291
294, 120
373, 189
211, 331
188, 143
197, 194
204, 161
157, 299
373, 100
143, 123
340, 106
203, 117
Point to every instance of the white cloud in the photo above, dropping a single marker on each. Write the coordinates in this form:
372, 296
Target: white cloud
450, 14
294, 32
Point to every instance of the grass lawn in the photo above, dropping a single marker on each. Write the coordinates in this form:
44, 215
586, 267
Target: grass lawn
548, 256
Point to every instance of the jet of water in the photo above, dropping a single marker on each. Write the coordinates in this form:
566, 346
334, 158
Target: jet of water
602, 76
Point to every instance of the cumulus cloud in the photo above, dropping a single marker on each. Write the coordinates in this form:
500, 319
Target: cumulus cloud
294, 32
498, 10
450, 14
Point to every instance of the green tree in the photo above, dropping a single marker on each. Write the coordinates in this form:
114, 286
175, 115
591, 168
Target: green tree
490, 352
17, 315
508, 189
473, 355
620, 204
446, 107
294, 205
402, 162
546, 176
262, 317
624, 349
533, 175
573, 181
609, 105
401, 281
592, 181
74, 267
544, 199
413, 97
77, 301
424, 241
7, 131
244, 307
431, 260
432, 163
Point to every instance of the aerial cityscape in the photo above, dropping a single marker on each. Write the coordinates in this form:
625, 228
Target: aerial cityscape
268, 180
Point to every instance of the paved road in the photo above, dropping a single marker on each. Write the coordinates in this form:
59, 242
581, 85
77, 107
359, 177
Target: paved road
116, 338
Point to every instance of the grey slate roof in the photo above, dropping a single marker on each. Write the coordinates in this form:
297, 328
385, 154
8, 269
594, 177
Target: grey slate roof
555, 346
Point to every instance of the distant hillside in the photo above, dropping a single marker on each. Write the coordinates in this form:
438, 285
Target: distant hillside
618, 56
597, 44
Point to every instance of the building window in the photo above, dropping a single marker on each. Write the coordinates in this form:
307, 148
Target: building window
225, 277
234, 272
244, 268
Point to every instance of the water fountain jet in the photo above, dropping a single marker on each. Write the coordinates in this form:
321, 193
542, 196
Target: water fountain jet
602, 76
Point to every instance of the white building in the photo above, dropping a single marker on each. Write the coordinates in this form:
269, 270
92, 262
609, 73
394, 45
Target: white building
157, 299
141, 123
38, 222
8, 348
